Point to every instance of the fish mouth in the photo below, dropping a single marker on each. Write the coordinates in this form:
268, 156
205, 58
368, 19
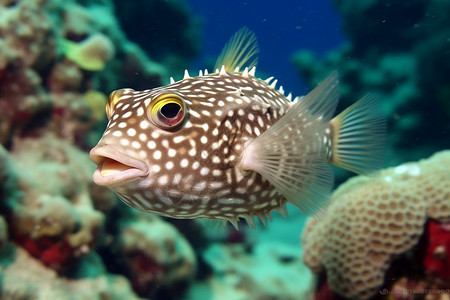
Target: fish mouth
115, 168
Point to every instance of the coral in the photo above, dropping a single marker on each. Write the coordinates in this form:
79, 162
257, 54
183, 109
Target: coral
52, 215
269, 271
65, 77
154, 254
59, 60
50, 211
96, 101
403, 61
24, 277
373, 220
437, 253
51, 53
25, 48
90, 54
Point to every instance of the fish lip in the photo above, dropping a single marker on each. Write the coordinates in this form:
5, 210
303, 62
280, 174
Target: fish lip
137, 169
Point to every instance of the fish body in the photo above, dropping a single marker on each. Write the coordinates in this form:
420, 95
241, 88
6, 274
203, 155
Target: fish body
228, 145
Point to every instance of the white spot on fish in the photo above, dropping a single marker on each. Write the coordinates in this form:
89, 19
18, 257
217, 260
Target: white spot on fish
194, 114
178, 139
131, 132
184, 163
136, 145
172, 152
200, 186
195, 165
204, 171
142, 137
216, 184
163, 180
157, 154
144, 124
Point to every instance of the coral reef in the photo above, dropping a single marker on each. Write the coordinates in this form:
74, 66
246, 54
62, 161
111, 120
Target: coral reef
54, 52
374, 225
50, 205
61, 236
403, 61
27, 278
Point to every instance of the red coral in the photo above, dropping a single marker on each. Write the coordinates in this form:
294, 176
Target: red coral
324, 292
437, 253
144, 272
59, 256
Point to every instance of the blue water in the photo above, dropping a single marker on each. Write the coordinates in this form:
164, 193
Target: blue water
282, 28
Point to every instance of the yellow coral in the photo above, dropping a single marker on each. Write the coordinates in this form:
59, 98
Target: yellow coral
90, 54
371, 220
96, 101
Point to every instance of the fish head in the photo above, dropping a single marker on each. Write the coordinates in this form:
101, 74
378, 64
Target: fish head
178, 144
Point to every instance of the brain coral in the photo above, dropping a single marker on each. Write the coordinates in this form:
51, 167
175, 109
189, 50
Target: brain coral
372, 220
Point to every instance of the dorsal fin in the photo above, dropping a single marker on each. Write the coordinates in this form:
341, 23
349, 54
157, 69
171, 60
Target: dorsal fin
239, 52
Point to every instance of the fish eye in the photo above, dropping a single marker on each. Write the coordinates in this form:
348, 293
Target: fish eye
167, 111
113, 98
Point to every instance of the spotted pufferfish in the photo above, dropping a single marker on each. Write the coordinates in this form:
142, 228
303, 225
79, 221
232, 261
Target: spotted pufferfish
228, 145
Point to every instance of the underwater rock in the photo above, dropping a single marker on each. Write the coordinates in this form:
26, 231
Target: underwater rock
375, 224
269, 271
403, 61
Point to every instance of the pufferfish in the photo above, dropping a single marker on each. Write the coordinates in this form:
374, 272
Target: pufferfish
228, 145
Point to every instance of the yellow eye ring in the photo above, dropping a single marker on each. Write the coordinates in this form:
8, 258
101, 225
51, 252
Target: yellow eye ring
113, 98
167, 111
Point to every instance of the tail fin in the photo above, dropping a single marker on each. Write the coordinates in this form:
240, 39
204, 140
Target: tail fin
359, 136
